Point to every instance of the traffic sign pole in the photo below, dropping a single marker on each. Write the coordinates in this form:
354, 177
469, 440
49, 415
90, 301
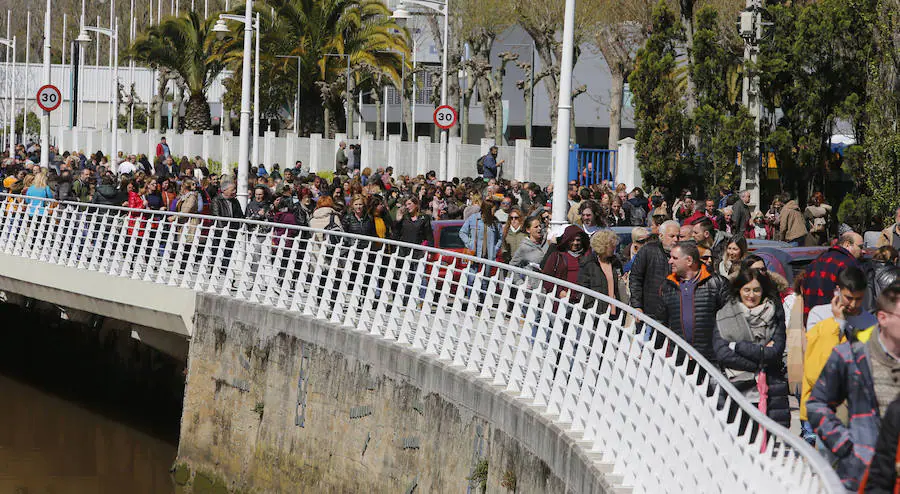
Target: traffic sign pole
49, 98
445, 117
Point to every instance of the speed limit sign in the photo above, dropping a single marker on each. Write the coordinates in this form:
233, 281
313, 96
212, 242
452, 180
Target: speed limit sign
445, 117
49, 98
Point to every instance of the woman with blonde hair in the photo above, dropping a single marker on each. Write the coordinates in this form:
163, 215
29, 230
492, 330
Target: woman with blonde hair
38, 189
474, 205
601, 271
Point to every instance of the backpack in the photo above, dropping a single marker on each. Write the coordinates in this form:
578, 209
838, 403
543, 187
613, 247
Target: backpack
479, 165
334, 225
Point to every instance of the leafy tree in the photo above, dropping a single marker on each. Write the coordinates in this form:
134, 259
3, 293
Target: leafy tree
660, 124
725, 128
812, 68
313, 29
187, 46
881, 169
34, 124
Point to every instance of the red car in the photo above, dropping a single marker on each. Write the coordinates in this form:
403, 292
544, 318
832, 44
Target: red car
446, 237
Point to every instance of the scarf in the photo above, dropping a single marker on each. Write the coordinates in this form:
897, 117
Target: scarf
576, 253
759, 319
737, 323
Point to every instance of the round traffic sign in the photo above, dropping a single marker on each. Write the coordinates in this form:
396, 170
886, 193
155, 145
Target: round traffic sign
445, 117
49, 97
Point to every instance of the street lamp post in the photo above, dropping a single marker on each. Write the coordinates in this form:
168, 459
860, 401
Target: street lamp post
11, 88
442, 7
255, 141
564, 111
114, 123
244, 144
45, 116
401, 89
346, 90
297, 97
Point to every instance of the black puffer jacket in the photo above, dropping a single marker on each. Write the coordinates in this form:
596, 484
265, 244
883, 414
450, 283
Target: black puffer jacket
648, 273
880, 274
751, 357
709, 297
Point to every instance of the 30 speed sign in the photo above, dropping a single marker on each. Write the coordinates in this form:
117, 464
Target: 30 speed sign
445, 117
49, 98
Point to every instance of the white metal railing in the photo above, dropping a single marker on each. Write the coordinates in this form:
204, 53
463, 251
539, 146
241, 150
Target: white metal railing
656, 412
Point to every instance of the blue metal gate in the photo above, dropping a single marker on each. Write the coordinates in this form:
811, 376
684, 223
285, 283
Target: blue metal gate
591, 166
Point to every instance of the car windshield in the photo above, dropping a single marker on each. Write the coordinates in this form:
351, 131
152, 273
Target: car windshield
450, 238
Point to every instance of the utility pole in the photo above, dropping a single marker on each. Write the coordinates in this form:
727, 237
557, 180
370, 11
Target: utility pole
751, 31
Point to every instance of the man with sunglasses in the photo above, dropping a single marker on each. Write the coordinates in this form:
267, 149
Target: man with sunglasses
863, 373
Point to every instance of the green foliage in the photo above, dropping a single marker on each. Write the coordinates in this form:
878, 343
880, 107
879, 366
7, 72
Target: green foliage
856, 212
661, 128
724, 127
480, 475
187, 46
34, 124
312, 29
881, 166
812, 68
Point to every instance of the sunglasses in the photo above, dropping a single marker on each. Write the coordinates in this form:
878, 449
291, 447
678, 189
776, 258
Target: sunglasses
514, 217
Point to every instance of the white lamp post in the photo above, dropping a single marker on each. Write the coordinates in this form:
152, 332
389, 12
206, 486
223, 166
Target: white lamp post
442, 7
113, 34
297, 98
564, 111
11, 87
244, 144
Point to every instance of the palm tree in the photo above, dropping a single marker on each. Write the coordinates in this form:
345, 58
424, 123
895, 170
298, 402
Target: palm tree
312, 29
186, 46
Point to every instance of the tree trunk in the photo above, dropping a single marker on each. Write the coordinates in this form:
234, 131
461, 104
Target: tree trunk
464, 120
327, 117
616, 102
499, 136
226, 120
350, 101
378, 129
196, 115
176, 110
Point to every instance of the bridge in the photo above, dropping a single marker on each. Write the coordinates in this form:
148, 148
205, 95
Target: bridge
339, 362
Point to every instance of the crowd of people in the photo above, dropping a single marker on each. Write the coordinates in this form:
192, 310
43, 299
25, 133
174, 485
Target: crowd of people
687, 266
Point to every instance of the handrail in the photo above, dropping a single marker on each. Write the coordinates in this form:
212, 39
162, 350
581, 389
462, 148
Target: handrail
494, 336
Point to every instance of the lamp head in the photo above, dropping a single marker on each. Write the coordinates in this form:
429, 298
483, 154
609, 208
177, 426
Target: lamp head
83, 37
221, 29
400, 15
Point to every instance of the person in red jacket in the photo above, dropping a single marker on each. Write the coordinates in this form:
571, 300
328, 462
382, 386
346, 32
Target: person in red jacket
162, 149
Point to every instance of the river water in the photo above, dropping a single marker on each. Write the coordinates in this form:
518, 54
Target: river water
75, 419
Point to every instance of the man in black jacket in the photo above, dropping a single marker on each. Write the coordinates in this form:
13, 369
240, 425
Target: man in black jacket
691, 297
226, 205
650, 268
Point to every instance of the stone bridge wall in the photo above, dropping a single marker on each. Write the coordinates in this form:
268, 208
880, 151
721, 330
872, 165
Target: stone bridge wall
280, 402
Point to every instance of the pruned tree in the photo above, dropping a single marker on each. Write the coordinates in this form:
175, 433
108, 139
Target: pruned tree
622, 27
543, 21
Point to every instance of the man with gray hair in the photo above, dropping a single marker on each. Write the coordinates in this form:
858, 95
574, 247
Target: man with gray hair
741, 215
650, 268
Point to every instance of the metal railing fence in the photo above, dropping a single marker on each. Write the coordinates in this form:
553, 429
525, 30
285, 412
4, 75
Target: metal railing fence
654, 412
